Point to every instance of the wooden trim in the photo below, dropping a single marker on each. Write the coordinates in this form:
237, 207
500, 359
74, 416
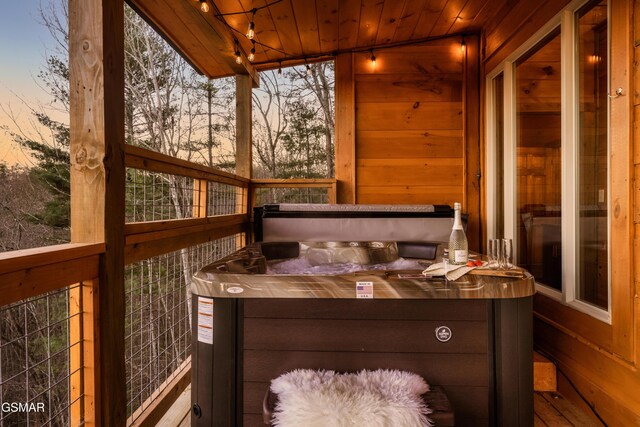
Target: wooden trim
148, 231
472, 158
141, 158
345, 123
566, 317
621, 182
293, 183
181, 239
160, 402
37, 257
516, 26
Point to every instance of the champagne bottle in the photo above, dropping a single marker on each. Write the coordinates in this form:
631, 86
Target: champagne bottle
458, 247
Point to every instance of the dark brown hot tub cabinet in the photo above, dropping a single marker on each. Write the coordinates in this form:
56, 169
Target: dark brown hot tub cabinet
472, 338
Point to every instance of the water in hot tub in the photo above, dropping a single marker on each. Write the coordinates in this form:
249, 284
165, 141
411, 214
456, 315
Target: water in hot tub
303, 266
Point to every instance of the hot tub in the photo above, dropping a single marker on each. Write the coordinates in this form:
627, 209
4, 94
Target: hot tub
254, 320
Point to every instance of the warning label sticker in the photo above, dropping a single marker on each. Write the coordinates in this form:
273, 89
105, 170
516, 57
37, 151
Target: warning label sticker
205, 320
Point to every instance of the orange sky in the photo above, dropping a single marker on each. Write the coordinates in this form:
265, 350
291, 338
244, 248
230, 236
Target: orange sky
24, 42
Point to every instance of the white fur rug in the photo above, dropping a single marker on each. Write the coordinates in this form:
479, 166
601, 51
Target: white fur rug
382, 398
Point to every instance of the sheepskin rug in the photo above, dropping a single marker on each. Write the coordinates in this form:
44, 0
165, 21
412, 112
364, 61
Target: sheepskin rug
382, 398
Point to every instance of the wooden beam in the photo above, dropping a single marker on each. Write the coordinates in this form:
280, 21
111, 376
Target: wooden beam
293, 183
147, 249
29, 258
96, 66
18, 285
345, 144
147, 231
143, 159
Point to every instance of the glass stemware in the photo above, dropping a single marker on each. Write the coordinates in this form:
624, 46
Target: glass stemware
507, 253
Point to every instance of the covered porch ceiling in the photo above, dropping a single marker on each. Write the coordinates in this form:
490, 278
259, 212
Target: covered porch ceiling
290, 32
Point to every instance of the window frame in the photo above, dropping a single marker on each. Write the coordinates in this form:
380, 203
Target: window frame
566, 21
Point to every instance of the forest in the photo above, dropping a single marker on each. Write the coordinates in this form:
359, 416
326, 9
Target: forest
172, 109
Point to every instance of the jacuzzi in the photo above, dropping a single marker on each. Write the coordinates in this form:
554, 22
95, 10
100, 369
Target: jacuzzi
350, 304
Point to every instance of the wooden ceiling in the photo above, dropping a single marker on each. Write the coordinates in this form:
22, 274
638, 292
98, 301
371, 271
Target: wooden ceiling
293, 31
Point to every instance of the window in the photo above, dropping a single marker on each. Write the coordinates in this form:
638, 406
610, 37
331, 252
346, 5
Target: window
548, 142
538, 161
592, 78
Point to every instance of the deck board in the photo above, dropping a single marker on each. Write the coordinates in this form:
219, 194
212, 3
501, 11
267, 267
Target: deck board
551, 410
179, 414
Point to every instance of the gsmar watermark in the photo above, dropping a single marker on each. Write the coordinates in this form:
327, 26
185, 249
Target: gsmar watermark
13, 407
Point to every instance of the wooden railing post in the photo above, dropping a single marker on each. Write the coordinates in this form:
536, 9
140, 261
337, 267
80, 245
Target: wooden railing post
82, 354
200, 198
96, 67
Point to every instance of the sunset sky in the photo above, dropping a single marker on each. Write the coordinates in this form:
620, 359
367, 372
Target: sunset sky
23, 46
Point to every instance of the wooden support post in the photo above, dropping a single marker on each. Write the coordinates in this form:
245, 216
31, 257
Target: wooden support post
96, 66
345, 129
244, 143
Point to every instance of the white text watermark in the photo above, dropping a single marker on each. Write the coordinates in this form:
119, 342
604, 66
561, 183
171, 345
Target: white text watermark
13, 407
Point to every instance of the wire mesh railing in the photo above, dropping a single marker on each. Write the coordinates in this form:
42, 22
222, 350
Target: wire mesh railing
291, 195
36, 345
267, 191
225, 199
154, 196
158, 331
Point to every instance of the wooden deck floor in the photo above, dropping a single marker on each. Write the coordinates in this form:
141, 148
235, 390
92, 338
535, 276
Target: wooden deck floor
551, 409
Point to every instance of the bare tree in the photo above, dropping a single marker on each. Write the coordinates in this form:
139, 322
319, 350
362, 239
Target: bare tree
318, 79
271, 103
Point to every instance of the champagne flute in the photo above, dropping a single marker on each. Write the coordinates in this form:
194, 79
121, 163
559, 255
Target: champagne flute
492, 253
507, 253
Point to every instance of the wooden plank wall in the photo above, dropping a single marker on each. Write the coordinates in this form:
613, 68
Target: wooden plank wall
601, 359
410, 127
